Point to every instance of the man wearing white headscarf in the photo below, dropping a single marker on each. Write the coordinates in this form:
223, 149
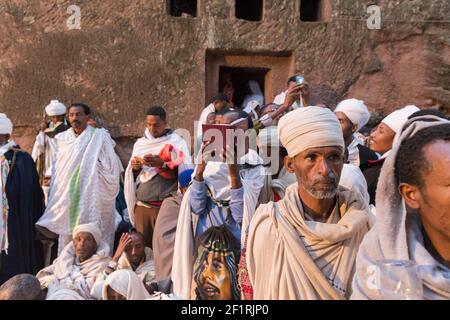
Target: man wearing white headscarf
413, 218
353, 115
21, 205
85, 180
45, 147
79, 264
304, 246
381, 141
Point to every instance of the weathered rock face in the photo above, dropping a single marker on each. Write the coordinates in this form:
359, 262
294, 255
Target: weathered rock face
129, 55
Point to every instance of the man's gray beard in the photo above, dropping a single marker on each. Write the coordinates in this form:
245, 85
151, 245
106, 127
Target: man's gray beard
322, 194
3, 144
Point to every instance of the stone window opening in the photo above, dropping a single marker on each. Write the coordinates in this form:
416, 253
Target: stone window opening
310, 10
250, 10
179, 8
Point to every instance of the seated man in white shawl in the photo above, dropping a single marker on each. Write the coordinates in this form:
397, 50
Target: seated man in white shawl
413, 217
73, 274
152, 174
304, 246
45, 147
353, 115
220, 193
131, 254
85, 180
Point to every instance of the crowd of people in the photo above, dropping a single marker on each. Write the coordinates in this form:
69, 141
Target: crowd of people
316, 206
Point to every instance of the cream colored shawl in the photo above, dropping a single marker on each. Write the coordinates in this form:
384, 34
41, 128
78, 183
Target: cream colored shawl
290, 258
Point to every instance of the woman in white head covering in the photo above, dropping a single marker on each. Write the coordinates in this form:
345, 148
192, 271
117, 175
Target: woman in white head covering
381, 141
124, 285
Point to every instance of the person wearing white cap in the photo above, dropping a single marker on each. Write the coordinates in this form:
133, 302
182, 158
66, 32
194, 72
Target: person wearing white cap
79, 264
21, 205
381, 141
304, 246
353, 115
45, 147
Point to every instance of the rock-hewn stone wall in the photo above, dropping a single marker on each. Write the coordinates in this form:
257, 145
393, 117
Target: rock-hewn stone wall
129, 55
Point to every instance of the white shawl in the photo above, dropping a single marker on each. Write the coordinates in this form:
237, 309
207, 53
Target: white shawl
66, 273
252, 181
126, 283
290, 258
85, 183
397, 234
150, 145
45, 144
4, 208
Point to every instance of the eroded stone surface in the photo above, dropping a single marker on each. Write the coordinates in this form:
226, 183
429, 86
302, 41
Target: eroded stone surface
129, 55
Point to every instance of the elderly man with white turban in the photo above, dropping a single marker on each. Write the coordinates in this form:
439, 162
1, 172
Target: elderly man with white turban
353, 115
381, 141
73, 274
304, 246
21, 205
45, 147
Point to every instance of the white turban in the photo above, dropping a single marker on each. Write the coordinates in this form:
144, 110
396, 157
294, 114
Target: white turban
90, 228
309, 127
355, 110
55, 108
397, 119
6, 125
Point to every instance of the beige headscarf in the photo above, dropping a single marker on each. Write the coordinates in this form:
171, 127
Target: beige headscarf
126, 283
292, 258
309, 127
397, 235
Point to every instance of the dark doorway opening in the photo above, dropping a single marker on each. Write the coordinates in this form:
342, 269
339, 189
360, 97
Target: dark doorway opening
310, 10
237, 79
178, 7
251, 10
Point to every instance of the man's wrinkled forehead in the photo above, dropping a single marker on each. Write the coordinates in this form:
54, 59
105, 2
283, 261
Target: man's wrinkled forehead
322, 150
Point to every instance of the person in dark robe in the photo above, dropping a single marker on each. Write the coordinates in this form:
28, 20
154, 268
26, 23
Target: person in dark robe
22, 204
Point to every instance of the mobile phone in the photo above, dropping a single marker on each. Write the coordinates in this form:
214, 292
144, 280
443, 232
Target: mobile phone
299, 80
